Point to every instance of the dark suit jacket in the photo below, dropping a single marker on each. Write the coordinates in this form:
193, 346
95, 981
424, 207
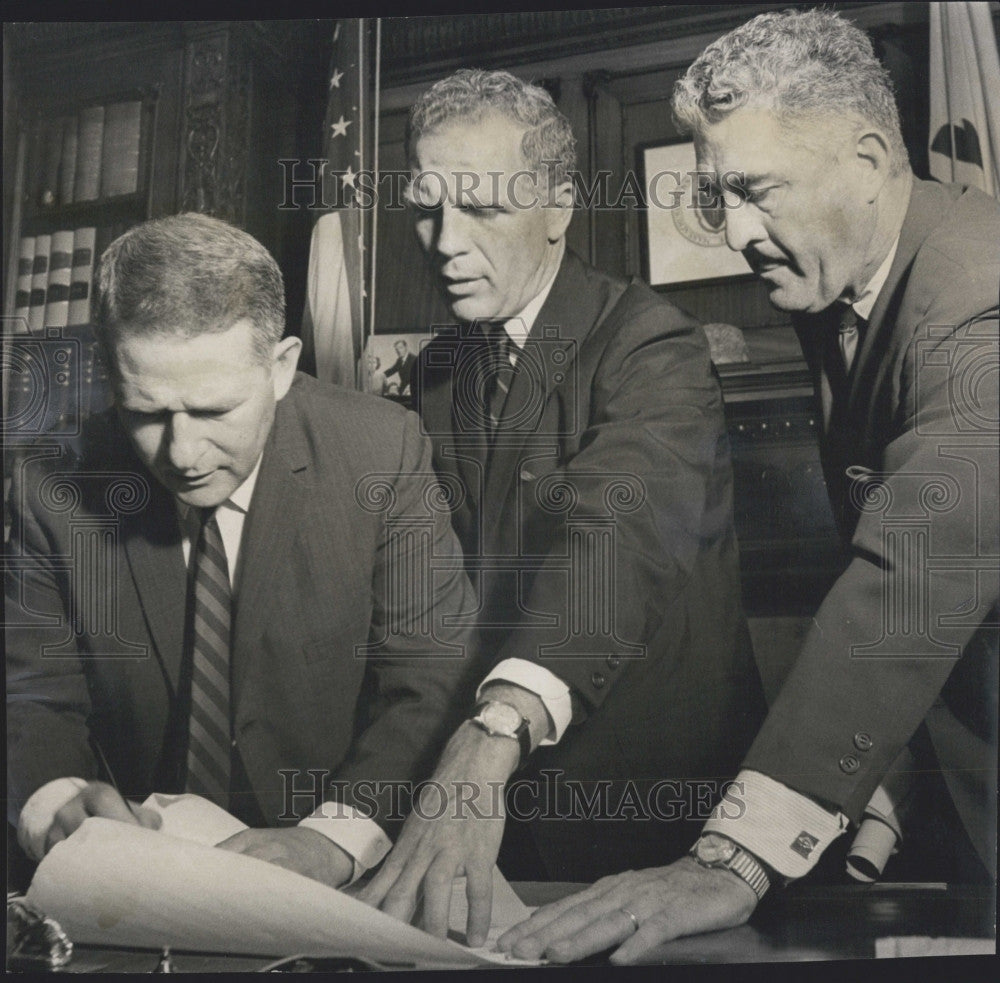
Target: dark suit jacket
332, 667
599, 532
403, 367
908, 632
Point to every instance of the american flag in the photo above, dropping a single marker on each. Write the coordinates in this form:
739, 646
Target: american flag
965, 82
333, 320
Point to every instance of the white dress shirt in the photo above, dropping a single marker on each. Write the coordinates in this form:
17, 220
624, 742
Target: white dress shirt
359, 836
863, 305
785, 829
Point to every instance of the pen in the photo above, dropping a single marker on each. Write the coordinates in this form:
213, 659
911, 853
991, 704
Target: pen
96, 745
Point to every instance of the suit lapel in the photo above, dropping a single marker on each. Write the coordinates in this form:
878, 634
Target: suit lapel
152, 544
279, 501
920, 220
447, 384
547, 364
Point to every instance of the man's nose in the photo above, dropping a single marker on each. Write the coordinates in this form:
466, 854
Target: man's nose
743, 225
183, 439
452, 231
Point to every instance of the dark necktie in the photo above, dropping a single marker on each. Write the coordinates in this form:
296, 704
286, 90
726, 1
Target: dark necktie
209, 744
500, 374
850, 330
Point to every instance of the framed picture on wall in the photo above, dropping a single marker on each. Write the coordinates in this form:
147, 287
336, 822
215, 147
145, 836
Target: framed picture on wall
388, 363
682, 240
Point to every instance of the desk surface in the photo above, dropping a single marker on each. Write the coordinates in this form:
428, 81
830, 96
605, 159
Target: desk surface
802, 923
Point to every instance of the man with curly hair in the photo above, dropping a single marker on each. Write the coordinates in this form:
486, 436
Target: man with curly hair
581, 424
893, 284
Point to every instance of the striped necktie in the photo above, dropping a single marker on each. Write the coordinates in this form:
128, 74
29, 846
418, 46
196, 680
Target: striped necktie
209, 744
500, 374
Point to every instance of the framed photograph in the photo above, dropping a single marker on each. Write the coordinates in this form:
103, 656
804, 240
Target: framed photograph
682, 240
388, 362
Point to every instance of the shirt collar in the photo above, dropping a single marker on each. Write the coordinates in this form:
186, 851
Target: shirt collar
239, 501
519, 327
866, 299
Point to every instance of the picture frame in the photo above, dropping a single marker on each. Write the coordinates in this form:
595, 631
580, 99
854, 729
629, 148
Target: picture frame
680, 243
379, 372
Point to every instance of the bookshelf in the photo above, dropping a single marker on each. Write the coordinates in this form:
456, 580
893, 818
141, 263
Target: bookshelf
85, 180
107, 125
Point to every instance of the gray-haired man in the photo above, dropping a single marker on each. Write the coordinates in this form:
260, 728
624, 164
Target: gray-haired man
893, 283
580, 418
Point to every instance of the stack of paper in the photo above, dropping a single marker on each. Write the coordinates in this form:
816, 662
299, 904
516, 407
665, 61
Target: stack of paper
114, 884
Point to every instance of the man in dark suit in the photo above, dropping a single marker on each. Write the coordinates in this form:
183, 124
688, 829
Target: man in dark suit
403, 366
228, 590
894, 284
581, 421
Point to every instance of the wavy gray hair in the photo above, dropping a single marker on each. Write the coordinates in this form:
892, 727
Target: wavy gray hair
804, 65
473, 93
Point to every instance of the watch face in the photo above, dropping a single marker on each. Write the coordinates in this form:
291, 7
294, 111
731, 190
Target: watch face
501, 718
713, 848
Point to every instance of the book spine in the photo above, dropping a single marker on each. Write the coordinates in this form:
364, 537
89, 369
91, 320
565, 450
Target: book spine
22, 300
67, 165
49, 190
87, 179
112, 152
62, 409
80, 287
36, 164
39, 283
128, 177
60, 276
23, 403
98, 393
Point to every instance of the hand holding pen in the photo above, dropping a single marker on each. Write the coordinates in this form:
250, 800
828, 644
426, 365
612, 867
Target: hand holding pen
97, 799
93, 798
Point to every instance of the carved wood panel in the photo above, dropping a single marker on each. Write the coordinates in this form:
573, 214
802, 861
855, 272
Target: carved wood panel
216, 128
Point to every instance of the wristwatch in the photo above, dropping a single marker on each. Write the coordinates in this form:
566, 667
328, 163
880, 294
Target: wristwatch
715, 850
500, 719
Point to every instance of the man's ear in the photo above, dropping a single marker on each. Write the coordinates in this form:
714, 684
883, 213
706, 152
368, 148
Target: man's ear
559, 210
874, 159
286, 360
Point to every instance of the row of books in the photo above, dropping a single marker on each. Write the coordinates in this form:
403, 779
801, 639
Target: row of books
55, 277
94, 154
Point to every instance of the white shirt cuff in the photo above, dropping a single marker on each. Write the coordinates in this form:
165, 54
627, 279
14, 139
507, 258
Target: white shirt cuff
361, 838
781, 827
549, 688
39, 813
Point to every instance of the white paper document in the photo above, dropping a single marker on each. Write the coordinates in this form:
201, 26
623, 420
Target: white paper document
114, 884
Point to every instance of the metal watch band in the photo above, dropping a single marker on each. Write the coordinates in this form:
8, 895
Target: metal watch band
743, 864
751, 871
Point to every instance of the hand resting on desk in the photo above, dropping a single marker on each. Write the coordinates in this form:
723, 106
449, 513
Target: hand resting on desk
462, 839
303, 851
97, 799
683, 898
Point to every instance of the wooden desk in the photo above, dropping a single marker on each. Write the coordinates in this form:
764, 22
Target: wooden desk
802, 923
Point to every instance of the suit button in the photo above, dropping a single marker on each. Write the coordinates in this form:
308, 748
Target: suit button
614, 662
598, 680
849, 764
863, 741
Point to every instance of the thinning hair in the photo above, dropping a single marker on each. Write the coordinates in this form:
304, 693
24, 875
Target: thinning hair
188, 275
803, 65
471, 94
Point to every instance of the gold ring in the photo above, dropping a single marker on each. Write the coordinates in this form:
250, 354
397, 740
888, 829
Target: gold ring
632, 918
